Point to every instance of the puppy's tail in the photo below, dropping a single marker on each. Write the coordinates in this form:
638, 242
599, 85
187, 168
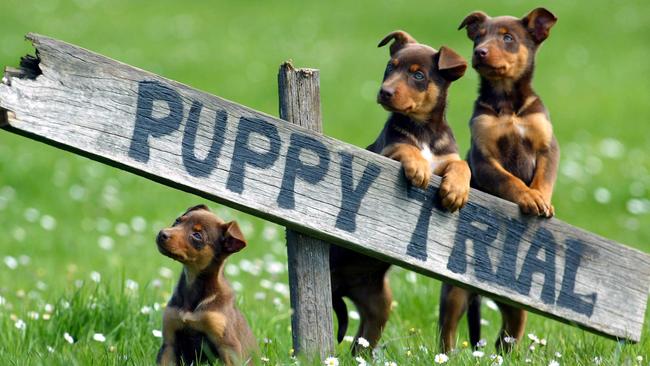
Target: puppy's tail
474, 319
341, 311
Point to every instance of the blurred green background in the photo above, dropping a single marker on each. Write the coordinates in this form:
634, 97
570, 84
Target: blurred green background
63, 217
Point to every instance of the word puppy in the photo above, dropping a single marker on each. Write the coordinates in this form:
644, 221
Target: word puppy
513, 154
414, 90
201, 320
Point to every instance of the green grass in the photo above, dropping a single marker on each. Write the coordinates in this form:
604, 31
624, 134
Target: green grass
57, 210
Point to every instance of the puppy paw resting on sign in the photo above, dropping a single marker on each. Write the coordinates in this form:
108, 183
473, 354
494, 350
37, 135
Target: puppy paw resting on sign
513, 154
201, 320
416, 134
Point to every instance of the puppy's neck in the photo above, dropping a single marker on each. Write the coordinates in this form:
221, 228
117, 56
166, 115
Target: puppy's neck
507, 96
196, 287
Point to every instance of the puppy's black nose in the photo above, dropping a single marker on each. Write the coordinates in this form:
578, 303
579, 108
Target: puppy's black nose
481, 52
385, 93
162, 236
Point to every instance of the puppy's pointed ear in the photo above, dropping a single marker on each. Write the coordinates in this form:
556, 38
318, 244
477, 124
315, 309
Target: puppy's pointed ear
197, 207
473, 23
401, 39
451, 65
539, 23
233, 239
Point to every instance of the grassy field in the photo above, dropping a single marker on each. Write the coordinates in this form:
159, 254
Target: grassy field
76, 237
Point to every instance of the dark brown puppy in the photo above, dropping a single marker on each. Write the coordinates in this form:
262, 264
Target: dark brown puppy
514, 154
414, 90
201, 319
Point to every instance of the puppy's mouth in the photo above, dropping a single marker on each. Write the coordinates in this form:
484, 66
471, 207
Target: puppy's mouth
167, 253
390, 107
489, 70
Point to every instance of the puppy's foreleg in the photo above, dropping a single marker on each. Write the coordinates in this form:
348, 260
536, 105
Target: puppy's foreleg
171, 323
216, 327
454, 188
546, 166
416, 168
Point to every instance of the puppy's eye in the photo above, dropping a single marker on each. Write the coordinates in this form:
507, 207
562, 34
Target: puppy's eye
389, 68
197, 236
507, 38
418, 75
177, 221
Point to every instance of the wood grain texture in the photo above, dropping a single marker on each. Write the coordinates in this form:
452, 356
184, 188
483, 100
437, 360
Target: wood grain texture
309, 266
166, 131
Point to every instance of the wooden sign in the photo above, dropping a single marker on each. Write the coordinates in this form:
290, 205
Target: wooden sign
166, 131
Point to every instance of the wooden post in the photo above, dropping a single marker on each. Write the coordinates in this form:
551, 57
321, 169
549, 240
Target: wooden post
309, 269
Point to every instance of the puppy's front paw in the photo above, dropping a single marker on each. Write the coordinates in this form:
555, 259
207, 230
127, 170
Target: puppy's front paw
531, 202
454, 192
551, 211
417, 171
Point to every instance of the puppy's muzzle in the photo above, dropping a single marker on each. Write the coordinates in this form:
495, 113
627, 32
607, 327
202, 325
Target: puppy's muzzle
162, 237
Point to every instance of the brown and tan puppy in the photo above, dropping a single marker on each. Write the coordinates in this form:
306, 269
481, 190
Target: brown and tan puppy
201, 320
514, 154
414, 90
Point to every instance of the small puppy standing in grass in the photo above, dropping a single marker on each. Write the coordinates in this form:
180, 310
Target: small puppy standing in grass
201, 319
514, 154
416, 134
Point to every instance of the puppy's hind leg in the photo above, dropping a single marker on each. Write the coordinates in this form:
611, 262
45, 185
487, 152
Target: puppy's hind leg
513, 326
373, 303
453, 304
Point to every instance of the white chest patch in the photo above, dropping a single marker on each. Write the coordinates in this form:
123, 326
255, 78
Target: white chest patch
521, 129
426, 153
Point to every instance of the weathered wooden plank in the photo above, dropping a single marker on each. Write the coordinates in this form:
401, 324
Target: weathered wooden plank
309, 265
322, 187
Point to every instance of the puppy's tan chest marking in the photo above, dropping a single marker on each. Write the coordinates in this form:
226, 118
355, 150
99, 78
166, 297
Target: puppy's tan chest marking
211, 322
535, 127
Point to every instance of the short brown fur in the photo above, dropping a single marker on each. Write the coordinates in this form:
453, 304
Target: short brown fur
514, 154
201, 319
416, 134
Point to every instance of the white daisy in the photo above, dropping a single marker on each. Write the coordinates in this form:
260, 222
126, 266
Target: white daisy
68, 338
496, 360
95, 276
533, 337
363, 342
99, 337
131, 285
331, 361
20, 324
441, 358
